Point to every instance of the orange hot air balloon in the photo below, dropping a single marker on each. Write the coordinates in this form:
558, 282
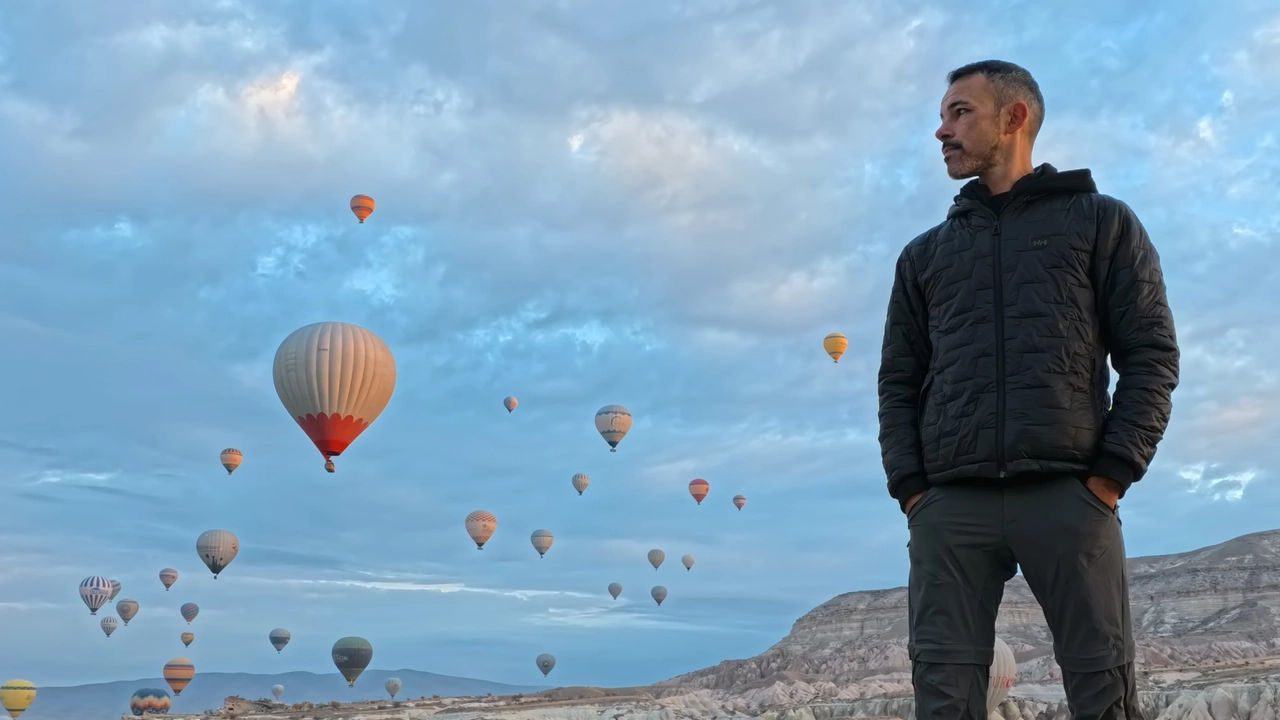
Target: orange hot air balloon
178, 673
362, 206
699, 488
835, 344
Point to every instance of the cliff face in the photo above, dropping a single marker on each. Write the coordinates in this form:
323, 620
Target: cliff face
1213, 605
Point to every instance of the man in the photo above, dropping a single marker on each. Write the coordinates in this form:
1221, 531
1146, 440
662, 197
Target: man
998, 437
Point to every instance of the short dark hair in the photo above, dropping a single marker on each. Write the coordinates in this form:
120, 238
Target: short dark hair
1012, 83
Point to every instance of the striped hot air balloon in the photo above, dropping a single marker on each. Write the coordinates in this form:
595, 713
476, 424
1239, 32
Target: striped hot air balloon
231, 459
189, 611
109, 625
480, 526
1004, 672
739, 501
699, 488
393, 686
279, 638
334, 379
150, 700
217, 548
542, 540
127, 609
168, 577
362, 206
178, 673
187, 638
351, 655
580, 482
16, 696
835, 344
115, 590
95, 591
656, 557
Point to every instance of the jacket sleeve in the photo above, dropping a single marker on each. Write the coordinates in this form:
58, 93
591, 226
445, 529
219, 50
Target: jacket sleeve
1139, 336
904, 362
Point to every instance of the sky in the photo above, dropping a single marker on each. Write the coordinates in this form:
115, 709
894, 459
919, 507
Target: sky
662, 205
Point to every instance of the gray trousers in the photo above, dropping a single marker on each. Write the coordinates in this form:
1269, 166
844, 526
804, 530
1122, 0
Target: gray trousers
966, 541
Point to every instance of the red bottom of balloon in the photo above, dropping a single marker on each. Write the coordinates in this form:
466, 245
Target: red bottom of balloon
332, 433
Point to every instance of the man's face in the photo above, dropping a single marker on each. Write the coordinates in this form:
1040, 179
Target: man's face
970, 130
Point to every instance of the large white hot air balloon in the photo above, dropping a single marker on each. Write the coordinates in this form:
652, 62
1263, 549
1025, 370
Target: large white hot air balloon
109, 625
542, 540
217, 548
613, 422
656, 557
95, 591
658, 593
393, 686
480, 526
335, 379
277, 691
687, 561
580, 482
1004, 671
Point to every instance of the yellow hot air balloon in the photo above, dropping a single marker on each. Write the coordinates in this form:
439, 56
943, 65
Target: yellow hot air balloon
362, 206
835, 344
17, 696
178, 673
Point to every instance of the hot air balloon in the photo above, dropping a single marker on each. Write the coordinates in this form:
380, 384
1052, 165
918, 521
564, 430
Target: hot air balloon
613, 422
1004, 671
480, 526
352, 655
659, 594
95, 592
189, 611
115, 590
615, 589
362, 206
580, 482
279, 638
393, 686
835, 344
546, 661
334, 379
510, 403
277, 691
542, 540
217, 548
699, 488
178, 673
688, 561
187, 638
656, 557
739, 501
127, 608
231, 459
17, 696
150, 700
168, 577
109, 625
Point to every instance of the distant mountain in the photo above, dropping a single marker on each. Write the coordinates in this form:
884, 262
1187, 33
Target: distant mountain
208, 691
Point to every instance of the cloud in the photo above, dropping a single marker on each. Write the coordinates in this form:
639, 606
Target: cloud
1229, 486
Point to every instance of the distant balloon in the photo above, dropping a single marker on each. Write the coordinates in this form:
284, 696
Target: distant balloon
362, 206
127, 608
510, 403
1004, 671
115, 590
615, 590
542, 540
659, 594
393, 686
189, 611
334, 379
178, 673
699, 488
187, 638
17, 696
217, 548
109, 625
231, 459
835, 344
480, 526
351, 655
279, 638
546, 661
739, 501
95, 591
277, 691
656, 557
168, 577
580, 482
613, 422
687, 561
150, 700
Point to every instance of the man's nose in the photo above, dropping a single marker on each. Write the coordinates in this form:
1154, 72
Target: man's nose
943, 132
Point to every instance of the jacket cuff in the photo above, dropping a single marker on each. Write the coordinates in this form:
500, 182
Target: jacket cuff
1115, 468
905, 488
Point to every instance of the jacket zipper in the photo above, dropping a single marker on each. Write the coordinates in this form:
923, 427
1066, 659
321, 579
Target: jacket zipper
999, 318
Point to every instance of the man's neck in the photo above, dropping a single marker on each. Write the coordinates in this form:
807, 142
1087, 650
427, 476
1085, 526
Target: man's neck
1001, 179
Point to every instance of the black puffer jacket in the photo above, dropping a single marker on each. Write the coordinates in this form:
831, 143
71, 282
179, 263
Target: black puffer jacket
999, 326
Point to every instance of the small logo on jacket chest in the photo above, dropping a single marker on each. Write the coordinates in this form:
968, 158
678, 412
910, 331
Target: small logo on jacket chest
1040, 242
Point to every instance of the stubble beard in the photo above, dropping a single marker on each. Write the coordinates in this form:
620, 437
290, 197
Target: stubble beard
966, 164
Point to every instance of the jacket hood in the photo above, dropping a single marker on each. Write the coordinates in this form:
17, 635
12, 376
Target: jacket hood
1044, 180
